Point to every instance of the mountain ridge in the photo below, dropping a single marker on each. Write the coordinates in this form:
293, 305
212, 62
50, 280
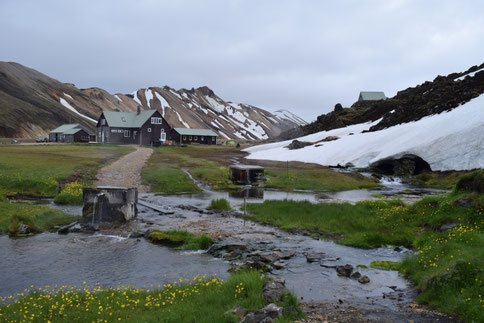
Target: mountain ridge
33, 103
444, 93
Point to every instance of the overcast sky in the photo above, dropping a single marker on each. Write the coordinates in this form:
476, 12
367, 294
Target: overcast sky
304, 56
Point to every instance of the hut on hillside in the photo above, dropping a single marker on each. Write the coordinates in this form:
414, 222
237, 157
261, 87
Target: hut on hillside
371, 96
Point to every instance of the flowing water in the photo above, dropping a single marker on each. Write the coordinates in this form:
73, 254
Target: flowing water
52, 259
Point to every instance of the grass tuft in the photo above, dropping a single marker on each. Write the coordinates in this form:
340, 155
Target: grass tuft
219, 204
182, 239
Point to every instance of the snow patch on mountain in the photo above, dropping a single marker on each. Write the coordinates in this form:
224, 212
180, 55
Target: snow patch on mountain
284, 114
135, 97
117, 97
469, 74
148, 96
70, 107
215, 105
448, 141
181, 120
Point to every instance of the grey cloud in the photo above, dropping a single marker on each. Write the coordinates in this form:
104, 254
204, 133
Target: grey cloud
301, 55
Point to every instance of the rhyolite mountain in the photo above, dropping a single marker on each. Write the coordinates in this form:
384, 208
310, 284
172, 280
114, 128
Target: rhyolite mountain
444, 93
32, 104
436, 125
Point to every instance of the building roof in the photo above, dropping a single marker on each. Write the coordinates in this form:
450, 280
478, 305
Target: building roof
66, 127
74, 131
129, 119
371, 96
246, 167
195, 132
70, 129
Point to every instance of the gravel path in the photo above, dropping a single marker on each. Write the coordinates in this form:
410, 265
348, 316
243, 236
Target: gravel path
126, 171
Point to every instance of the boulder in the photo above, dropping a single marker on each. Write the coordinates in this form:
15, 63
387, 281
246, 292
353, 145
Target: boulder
266, 314
355, 275
315, 256
24, 228
274, 289
296, 144
345, 270
364, 279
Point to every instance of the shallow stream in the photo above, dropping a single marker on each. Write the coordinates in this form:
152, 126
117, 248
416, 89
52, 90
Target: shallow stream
52, 259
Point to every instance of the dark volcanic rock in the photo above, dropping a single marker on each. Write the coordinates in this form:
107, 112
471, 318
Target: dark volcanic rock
296, 144
315, 256
444, 93
274, 289
363, 280
345, 270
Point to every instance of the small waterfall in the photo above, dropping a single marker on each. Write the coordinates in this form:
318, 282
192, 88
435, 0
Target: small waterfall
94, 208
97, 208
390, 180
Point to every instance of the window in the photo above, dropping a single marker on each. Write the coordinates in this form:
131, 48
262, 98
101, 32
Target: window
184, 137
190, 138
155, 120
196, 138
149, 129
213, 138
201, 138
103, 122
127, 133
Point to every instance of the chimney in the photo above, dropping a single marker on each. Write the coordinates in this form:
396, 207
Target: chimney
138, 109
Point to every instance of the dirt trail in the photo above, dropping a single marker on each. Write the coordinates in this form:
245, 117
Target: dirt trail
126, 171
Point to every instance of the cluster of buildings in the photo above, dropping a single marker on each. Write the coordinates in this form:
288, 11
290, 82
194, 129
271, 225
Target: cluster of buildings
147, 127
142, 127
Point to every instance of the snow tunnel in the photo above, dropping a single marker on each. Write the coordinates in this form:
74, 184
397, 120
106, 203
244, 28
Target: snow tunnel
404, 166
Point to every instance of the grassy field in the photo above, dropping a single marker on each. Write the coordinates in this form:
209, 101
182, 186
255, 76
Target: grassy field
210, 164
448, 267
39, 171
201, 299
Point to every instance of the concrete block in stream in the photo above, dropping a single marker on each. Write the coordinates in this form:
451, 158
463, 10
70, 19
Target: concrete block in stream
109, 204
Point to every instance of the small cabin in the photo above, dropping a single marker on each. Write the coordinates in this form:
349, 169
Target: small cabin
72, 132
371, 96
246, 174
185, 136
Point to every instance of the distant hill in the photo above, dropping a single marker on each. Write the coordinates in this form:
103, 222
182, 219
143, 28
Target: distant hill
444, 93
32, 104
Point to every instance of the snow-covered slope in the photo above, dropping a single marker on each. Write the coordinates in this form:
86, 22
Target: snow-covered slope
451, 140
284, 114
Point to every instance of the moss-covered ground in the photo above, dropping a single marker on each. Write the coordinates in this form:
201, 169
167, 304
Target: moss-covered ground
210, 165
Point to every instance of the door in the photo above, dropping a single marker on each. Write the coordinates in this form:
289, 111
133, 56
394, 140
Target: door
163, 135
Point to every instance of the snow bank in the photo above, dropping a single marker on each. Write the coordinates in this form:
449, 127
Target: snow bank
451, 140
70, 107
